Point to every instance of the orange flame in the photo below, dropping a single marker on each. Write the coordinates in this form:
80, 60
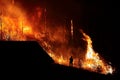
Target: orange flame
14, 23
92, 60
15, 26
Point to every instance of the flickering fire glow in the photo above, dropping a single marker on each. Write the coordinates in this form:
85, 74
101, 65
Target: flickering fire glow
16, 26
12, 21
92, 60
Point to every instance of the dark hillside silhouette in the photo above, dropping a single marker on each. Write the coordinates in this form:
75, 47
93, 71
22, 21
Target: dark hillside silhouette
27, 59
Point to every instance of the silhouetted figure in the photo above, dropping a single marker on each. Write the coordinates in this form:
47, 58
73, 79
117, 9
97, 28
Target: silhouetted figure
71, 61
79, 63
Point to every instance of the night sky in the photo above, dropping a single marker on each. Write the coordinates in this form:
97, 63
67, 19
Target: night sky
95, 17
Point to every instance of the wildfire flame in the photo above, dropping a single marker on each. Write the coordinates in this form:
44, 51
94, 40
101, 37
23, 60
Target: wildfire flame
15, 26
92, 60
14, 23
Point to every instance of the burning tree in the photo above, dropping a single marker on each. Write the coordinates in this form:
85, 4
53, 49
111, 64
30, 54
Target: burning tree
16, 26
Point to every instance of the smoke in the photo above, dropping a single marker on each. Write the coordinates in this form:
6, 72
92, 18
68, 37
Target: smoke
13, 17
54, 39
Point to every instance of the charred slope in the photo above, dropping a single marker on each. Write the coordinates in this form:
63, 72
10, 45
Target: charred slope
29, 60
24, 52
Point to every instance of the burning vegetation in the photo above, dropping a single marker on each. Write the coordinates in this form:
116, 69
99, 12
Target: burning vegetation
92, 61
15, 25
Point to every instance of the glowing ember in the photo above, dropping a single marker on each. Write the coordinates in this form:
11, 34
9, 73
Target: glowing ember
14, 23
92, 60
15, 26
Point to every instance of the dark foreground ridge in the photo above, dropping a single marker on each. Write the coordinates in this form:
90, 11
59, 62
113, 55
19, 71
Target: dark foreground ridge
28, 60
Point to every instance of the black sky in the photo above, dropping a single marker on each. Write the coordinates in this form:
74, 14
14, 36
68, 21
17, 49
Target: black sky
95, 17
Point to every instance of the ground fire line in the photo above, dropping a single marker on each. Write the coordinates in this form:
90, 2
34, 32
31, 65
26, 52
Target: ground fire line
15, 26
